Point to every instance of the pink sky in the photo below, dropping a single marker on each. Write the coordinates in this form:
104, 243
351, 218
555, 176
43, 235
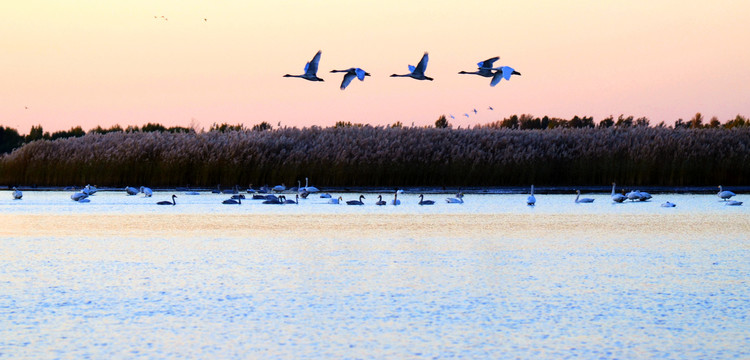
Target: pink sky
98, 62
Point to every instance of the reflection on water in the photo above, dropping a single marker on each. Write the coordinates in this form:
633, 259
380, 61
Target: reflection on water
491, 278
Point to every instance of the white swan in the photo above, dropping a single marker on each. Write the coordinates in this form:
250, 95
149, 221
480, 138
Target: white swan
147, 192
131, 190
89, 190
335, 201
351, 73
311, 69
503, 72
484, 68
668, 204
310, 189
617, 197
531, 200
644, 196
395, 200
584, 200
78, 196
17, 194
325, 196
454, 200
724, 194
634, 195
417, 72
279, 188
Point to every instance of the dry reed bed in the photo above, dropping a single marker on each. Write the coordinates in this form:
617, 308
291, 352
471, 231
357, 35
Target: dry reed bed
378, 156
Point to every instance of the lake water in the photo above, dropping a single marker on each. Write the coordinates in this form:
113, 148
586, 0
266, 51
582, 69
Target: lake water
123, 278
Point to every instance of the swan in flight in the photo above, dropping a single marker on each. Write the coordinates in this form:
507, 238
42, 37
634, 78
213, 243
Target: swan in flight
131, 190
380, 201
17, 194
724, 194
617, 197
531, 200
668, 204
311, 69
584, 200
350, 74
417, 72
484, 68
147, 192
422, 201
503, 72
168, 202
356, 202
734, 203
335, 201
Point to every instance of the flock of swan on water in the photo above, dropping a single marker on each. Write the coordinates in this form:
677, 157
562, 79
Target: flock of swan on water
277, 196
484, 68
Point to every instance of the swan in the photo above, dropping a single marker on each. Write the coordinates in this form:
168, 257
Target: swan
147, 192
218, 189
84, 200
17, 194
617, 197
168, 202
724, 194
325, 196
89, 190
395, 200
503, 72
734, 203
279, 188
250, 189
310, 189
454, 200
417, 72
335, 201
356, 202
484, 68
78, 196
233, 201
584, 200
270, 199
668, 204
351, 73
380, 201
131, 190
311, 69
634, 195
422, 201
295, 201
644, 196
531, 200
190, 192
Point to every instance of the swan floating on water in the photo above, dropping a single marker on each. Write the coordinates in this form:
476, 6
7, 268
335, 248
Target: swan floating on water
617, 197
325, 196
173, 202
310, 189
356, 202
417, 72
17, 194
311, 69
668, 204
78, 196
422, 201
146, 191
724, 194
395, 200
531, 200
233, 201
335, 201
131, 190
380, 201
583, 200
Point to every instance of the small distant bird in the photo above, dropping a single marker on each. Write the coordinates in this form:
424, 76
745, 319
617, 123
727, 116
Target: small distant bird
465, 114
475, 111
503, 72
452, 117
417, 72
311, 69
350, 74
490, 108
205, 19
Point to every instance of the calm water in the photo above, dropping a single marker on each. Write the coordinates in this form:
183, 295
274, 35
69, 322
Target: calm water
120, 277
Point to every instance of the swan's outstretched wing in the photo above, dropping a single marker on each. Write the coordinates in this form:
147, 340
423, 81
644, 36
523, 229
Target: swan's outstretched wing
312, 66
422, 66
348, 77
360, 74
487, 64
497, 77
507, 72
411, 68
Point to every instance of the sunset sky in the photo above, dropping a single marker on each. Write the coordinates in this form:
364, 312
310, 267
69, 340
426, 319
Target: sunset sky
93, 62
